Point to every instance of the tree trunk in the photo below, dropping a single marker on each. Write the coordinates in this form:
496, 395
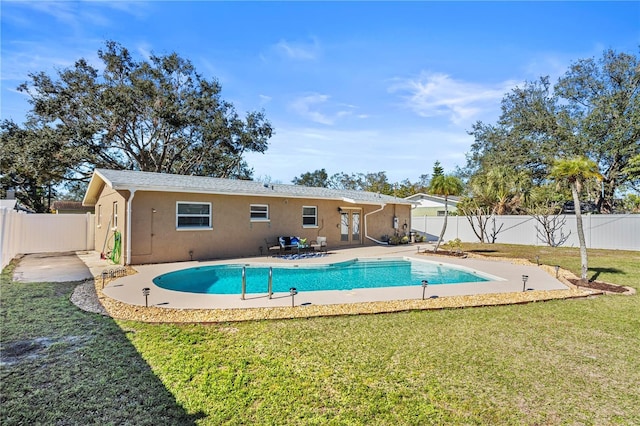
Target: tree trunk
604, 201
583, 244
444, 225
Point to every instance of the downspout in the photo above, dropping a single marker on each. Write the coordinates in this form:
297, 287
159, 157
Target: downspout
131, 195
366, 234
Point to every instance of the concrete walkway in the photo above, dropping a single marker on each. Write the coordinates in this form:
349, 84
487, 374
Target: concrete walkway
507, 279
52, 267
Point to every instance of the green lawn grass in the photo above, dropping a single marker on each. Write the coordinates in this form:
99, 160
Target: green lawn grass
559, 362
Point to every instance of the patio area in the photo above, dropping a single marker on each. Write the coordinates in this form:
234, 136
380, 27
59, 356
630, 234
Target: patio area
124, 297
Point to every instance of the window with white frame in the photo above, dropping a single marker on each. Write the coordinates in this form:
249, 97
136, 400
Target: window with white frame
191, 215
259, 212
114, 215
309, 216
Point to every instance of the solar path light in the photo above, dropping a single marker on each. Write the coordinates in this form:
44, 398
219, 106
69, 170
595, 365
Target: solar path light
293, 292
145, 293
424, 287
524, 281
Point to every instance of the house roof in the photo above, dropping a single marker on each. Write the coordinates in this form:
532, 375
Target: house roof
164, 182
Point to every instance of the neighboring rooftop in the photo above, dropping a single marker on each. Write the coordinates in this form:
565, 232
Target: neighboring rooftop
63, 206
451, 199
164, 182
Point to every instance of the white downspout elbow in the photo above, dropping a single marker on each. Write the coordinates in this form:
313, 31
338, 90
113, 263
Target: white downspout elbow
366, 233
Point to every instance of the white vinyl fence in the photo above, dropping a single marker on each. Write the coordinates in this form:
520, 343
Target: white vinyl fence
22, 233
610, 231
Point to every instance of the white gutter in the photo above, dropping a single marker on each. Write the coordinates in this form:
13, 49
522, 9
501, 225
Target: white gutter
131, 195
366, 234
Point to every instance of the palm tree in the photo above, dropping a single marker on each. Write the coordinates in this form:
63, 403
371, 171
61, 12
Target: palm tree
445, 185
575, 172
507, 187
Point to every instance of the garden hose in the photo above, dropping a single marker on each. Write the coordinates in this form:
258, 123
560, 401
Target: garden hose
117, 247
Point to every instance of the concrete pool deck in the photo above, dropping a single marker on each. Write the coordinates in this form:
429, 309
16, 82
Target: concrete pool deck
173, 305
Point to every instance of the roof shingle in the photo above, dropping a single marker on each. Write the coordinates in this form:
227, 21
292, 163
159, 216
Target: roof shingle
164, 182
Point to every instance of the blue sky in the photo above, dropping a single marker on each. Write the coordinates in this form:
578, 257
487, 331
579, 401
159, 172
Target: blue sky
352, 87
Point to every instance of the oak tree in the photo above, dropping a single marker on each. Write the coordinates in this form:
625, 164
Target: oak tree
156, 115
593, 110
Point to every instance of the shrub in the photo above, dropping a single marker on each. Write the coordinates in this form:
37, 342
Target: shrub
394, 240
454, 245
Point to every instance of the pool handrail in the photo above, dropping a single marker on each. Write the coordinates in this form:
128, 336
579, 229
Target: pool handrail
244, 282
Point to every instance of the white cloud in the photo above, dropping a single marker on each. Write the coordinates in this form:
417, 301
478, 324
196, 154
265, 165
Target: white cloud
299, 50
437, 94
61, 11
303, 106
76, 14
317, 108
264, 99
138, 9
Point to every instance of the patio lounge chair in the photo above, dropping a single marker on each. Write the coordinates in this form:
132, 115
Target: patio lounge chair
320, 244
272, 246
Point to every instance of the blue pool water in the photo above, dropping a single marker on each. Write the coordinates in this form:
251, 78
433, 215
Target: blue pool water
227, 279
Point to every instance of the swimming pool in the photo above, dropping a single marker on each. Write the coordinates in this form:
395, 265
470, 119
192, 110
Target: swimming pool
357, 273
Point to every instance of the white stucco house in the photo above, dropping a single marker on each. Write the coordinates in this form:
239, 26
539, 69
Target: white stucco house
432, 205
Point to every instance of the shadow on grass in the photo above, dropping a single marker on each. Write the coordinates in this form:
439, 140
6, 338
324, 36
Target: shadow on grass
61, 365
598, 271
483, 251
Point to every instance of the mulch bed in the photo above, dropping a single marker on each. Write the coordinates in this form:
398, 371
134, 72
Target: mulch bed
598, 285
593, 285
446, 253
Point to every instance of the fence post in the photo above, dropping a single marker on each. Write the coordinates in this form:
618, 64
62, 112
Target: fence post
89, 227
